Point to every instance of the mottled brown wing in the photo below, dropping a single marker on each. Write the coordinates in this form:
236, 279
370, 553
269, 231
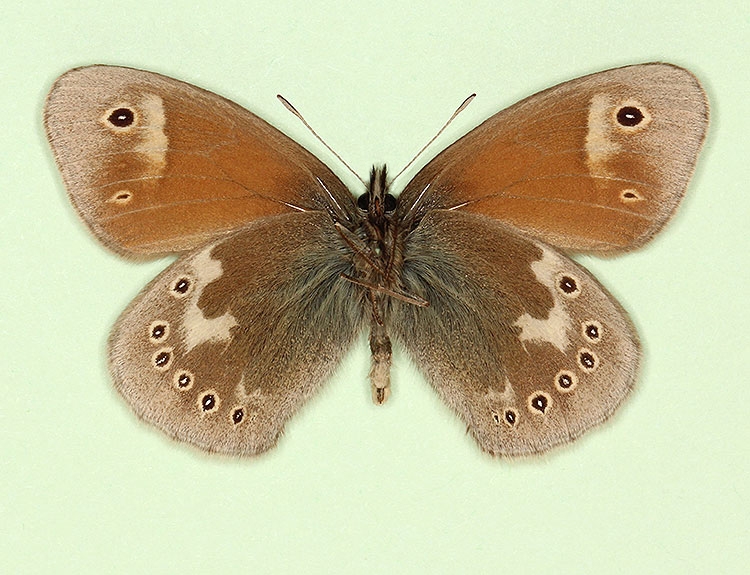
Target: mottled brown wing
224, 346
521, 342
597, 164
154, 165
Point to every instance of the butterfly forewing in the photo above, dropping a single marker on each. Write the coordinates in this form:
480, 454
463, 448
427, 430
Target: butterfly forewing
154, 165
596, 164
520, 341
225, 345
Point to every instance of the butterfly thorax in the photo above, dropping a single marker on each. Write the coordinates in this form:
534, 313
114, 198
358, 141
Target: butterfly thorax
377, 257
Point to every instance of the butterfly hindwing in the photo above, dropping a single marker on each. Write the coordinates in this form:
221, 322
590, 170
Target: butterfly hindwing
523, 343
596, 164
226, 344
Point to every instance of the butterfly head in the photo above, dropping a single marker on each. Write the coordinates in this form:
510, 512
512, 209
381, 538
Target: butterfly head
377, 202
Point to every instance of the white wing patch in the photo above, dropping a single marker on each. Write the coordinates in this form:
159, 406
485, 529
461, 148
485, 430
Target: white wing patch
599, 143
197, 328
556, 328
154, 141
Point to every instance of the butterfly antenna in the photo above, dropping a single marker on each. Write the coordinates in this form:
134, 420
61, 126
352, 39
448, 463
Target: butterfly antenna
460, 109
294, 111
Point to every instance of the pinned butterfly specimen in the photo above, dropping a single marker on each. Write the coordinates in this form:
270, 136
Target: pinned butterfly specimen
281, 267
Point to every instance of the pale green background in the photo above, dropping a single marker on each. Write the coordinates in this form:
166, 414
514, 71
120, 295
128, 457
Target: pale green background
86, 488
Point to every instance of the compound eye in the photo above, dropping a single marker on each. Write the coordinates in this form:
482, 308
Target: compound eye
389, 203
363, 201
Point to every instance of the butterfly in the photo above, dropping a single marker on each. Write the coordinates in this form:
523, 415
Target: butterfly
281, 268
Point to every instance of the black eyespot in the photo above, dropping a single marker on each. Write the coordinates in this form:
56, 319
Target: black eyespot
162, 359
539, 402
629, 116
363, 201
121, 197
587, 360
181, 286
389, 203
238, 415
158, 331
568, 285
121, 117
566, 381
510, 417
208, 402
592, 331
629, 195
183, 379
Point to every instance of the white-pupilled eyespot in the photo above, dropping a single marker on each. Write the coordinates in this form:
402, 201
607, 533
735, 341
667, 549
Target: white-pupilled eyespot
158, 331
632, 116
539, 403
587, 359
238, 415
568, 285
162, 359
566, 381
183, 380
182, 286
592, 330
208, 401
120, 119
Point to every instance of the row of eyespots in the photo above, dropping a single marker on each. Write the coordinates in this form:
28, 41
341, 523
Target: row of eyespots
208, 401
537, 402
183, 380
159, 330
120, 120
566, 381
509, 417
632, 118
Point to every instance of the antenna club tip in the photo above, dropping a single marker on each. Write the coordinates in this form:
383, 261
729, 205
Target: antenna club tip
287, 104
